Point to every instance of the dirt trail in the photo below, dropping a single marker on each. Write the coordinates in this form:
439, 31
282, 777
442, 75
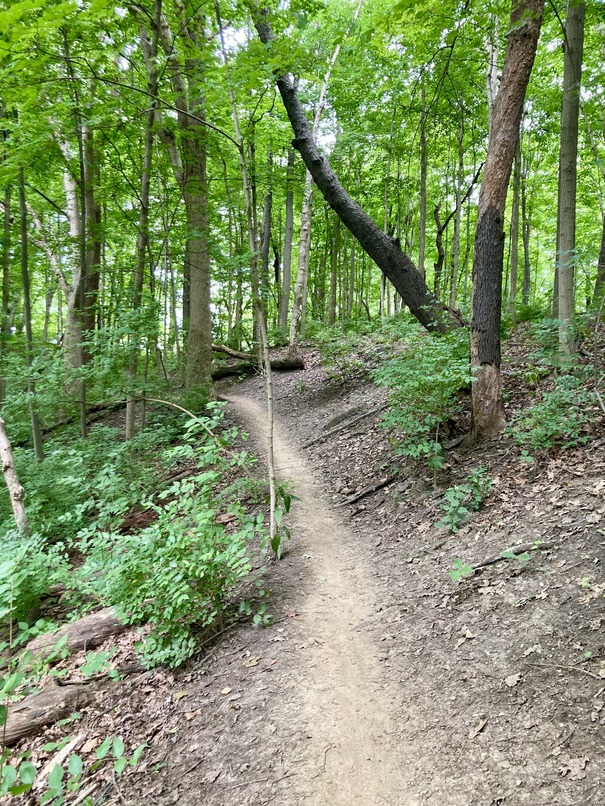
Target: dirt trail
353, 755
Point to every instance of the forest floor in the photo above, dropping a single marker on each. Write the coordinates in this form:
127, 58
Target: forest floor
382, 681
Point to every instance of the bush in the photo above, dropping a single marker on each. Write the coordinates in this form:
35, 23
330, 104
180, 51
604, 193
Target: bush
423, 383
559, 419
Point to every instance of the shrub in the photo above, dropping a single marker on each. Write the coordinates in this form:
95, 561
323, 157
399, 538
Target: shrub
424, 382
559, 419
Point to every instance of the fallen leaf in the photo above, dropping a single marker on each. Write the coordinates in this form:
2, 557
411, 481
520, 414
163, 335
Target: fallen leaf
513, 679
477, 729
226, 690
178, 695
252, 662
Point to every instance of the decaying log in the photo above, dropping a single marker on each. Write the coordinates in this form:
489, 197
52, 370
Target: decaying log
28, 716
250, 367
85, 633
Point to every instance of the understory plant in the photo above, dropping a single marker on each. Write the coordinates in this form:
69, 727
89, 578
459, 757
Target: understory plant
424, 381
559, 419
462, 499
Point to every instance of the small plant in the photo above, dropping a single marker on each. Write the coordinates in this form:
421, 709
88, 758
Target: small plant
559, 420
460, 500
424, 381
460, 570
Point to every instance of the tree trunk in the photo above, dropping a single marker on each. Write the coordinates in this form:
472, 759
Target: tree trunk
568, 156
457, 217
423, 180
384, 250
27, 320
284, 296
514, 233
600, 281
524, 31
6, 285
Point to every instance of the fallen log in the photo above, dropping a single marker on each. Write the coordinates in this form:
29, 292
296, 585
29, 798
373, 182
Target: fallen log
28, 716
250, 367
85, 633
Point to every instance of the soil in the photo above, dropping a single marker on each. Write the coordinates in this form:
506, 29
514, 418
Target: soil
382, 681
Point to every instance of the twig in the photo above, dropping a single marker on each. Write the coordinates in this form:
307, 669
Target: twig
373, 488
566, 669
496, 558
121, 797
346, 425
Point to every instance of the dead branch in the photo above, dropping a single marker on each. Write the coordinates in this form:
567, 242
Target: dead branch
496, 558
222, 348
372, 488
346, 425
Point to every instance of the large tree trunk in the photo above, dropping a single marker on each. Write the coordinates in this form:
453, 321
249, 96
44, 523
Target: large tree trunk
384, 250
568, 156
524, 31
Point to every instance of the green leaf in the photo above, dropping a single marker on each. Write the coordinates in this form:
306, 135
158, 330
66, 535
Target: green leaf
75, 765
55, 779
118, 747
134, 760
120, 764
104, 748
27, 772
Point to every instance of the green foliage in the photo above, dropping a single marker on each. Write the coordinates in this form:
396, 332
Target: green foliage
560, 419
462, 499
424, 381
460, 570
177, 572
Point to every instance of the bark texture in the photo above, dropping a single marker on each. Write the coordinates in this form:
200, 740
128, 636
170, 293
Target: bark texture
524, 32
568, 157
15, 490
384, 250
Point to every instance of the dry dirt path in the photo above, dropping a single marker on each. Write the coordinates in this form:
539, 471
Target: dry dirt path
353, 754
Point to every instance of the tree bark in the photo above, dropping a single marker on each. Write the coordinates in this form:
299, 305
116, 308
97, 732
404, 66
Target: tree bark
524, 32
568, 157
384, 250
600, 281
284, 295
514, 233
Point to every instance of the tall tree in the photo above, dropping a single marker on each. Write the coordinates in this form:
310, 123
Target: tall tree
523, 35
568, 158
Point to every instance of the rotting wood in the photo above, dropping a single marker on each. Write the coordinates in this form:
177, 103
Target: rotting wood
372, 488
28, 716
85, 633
249, 367
343, 427
524, 547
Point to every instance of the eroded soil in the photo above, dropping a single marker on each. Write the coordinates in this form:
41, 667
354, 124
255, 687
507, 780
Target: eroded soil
382, 681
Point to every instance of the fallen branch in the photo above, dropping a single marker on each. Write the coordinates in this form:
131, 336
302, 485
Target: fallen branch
85, 633
343, 427
503, 555
28, 716
222, 348
372, 488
